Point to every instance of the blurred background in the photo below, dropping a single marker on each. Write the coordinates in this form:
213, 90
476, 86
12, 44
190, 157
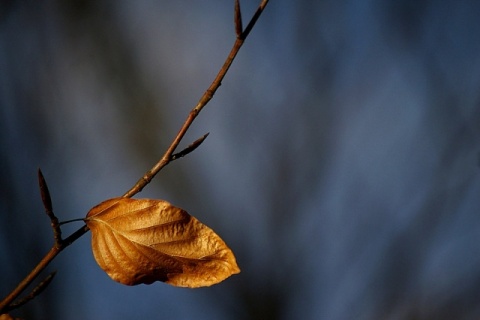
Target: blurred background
342, 166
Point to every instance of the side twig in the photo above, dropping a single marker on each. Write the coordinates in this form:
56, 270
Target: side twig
206, 97
5, 303
47, 203
35, 292
169, 156
237, 20
195, 144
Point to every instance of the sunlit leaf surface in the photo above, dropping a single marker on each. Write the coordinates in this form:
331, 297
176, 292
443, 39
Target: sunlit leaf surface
141, 241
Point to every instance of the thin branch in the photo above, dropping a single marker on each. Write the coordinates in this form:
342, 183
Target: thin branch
254, 19
149, 175
206, 97
35, 292
5, 303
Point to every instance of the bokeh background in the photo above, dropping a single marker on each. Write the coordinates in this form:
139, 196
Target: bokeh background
342, 166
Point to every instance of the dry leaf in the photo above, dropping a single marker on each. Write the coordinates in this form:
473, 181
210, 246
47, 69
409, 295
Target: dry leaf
141, 241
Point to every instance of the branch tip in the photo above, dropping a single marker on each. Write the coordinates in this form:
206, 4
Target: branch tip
44, 193
254, 19
238, 19
47, 203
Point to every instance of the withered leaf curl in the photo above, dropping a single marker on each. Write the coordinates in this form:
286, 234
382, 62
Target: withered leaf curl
142, 240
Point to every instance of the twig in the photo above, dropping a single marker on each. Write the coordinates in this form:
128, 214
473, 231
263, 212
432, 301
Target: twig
168, 157
206, 97
5, 303
57, 247
35, 292
254, 19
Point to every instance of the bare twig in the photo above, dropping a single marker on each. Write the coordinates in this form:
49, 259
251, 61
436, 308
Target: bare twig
168, 157
206, 97
254, 19
35, 292
5, 303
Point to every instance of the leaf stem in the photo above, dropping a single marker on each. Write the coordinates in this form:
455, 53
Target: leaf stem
70, 221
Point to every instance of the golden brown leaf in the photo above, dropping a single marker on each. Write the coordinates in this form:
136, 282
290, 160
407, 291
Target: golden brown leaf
141, 241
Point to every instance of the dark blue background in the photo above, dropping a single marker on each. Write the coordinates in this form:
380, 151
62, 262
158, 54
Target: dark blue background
342, 166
